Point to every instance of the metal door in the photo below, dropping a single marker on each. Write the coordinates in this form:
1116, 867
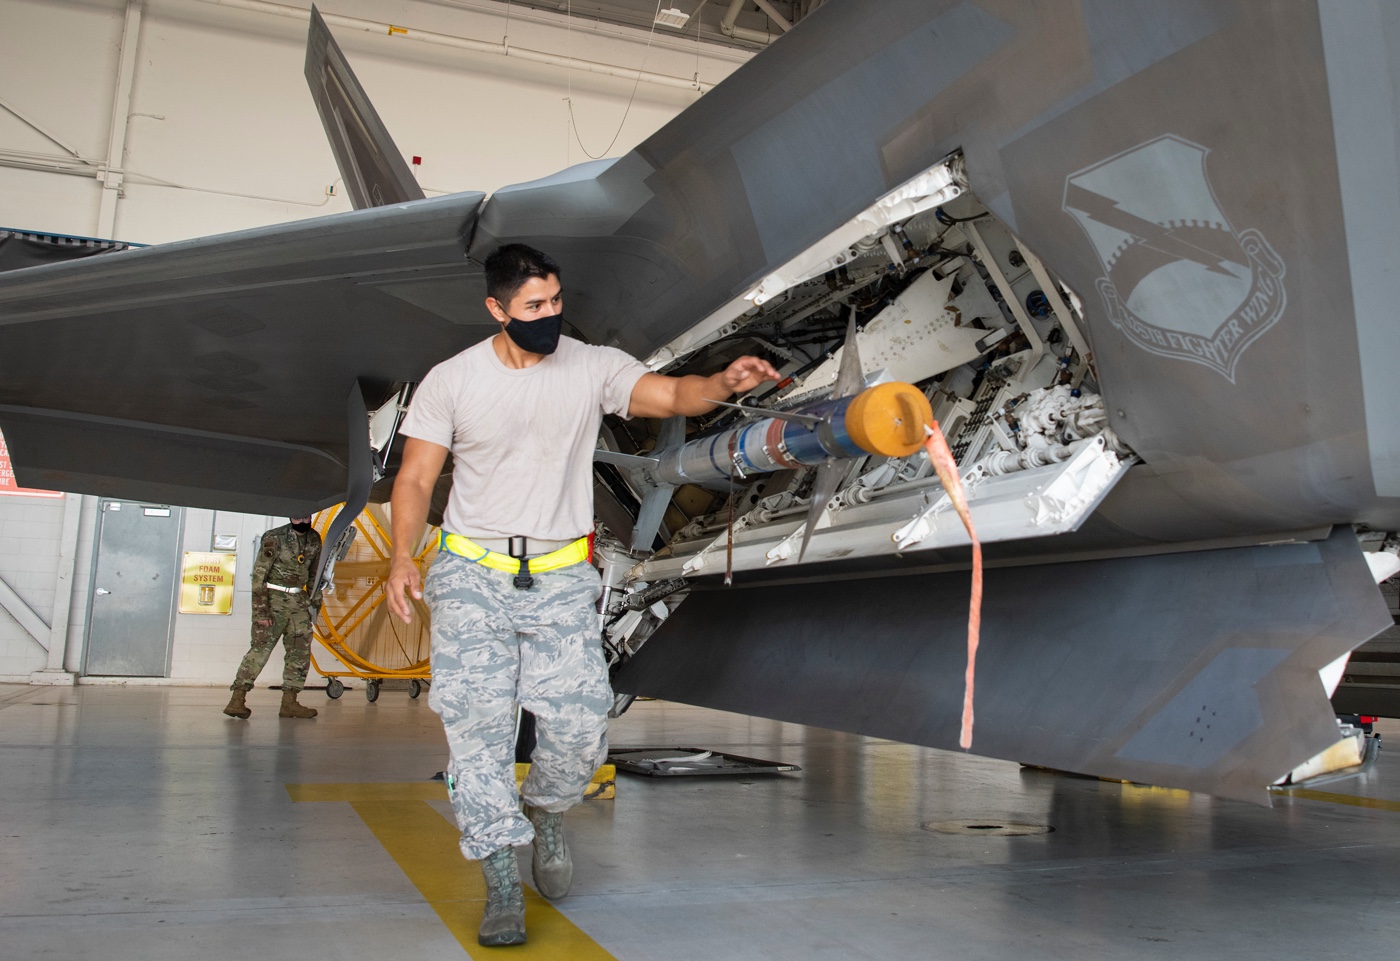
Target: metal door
133, 590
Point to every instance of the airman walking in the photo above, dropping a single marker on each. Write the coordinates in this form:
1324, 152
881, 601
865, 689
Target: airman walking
283, 608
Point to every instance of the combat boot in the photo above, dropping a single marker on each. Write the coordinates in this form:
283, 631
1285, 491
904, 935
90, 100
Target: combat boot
551, 865
290, 707
238, 704
504, 919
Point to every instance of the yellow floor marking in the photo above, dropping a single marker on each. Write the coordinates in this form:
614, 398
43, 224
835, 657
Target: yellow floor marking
424, 845
1353, 800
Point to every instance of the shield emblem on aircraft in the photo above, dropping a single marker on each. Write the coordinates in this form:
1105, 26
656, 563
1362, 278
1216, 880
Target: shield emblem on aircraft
1178, 280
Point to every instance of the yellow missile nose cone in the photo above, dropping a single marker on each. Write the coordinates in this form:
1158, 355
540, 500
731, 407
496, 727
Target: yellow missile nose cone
889, 419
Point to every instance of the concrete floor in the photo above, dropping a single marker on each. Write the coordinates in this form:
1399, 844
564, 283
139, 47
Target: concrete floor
139, 823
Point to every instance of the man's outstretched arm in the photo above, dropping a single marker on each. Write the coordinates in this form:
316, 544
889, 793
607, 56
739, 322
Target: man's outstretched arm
657, 395
413, 492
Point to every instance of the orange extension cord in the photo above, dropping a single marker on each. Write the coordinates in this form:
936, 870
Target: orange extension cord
942, 458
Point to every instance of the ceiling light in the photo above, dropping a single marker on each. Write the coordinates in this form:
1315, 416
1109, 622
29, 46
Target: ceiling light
672, 17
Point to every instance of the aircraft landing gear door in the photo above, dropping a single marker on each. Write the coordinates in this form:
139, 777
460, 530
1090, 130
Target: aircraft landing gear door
133, 590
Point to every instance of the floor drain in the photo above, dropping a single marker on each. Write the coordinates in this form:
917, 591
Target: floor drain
1001, 829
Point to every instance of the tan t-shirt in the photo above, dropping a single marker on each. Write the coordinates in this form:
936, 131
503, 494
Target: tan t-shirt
522, 441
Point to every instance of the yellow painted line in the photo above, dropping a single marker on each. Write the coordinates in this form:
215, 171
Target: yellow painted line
1352, 799
423, 844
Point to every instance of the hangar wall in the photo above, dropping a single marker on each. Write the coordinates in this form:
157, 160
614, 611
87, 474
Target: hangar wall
220, 134
31, 540
205, 649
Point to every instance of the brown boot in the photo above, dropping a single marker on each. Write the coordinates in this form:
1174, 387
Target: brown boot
237, 704
290, 707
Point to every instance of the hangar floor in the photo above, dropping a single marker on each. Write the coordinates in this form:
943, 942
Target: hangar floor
139, 823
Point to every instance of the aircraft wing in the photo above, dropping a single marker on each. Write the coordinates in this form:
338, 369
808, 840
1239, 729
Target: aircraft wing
215, 372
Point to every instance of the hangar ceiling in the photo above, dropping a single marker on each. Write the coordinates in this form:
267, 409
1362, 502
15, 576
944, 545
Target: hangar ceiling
746, 24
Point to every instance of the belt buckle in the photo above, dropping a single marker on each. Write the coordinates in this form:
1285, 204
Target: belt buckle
523, 580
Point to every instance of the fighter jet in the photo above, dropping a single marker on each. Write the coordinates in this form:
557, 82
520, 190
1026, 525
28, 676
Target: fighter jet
1133, 259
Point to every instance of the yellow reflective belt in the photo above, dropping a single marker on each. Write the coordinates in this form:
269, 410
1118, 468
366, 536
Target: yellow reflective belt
566, 556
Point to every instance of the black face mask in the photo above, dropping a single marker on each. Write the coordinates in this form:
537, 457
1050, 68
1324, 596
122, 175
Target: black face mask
302, 528
536, 336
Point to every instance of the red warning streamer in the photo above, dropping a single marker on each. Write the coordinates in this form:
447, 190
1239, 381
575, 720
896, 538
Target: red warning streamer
947, 467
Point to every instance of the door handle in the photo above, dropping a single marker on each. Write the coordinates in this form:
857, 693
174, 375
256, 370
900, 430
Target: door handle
103, 590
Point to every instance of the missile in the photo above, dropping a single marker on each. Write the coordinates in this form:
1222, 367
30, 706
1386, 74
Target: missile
886, 420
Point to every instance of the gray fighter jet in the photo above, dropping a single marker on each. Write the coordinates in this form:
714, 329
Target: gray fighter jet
1137, 258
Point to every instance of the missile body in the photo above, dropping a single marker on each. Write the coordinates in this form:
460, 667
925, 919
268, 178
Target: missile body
887, 419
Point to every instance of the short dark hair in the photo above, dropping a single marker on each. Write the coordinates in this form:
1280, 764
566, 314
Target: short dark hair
510, 266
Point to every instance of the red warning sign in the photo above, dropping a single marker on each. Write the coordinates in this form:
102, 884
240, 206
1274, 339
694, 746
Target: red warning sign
7, 477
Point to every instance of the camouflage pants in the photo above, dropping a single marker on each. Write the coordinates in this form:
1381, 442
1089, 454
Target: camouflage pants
291, 621
496, 646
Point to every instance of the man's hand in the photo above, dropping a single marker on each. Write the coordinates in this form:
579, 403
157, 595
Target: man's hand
746, 373
657, 395
403, 575
413, 492
263, 622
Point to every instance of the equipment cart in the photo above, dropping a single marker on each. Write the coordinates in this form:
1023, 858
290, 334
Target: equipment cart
354, 624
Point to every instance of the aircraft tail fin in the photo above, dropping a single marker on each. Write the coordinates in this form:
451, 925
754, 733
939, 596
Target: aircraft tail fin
370, 164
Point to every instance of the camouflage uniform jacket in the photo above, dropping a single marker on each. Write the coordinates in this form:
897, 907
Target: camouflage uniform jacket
287, 559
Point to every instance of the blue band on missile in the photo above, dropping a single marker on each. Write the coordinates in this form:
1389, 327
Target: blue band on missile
802, 444
805, 445
742, 446
721, 469
845, 447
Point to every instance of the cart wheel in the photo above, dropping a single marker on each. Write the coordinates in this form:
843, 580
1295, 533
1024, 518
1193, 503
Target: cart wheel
415, 687
372, 690
334, 688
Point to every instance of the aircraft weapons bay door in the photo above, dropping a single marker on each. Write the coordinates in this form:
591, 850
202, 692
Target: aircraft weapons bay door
133, 590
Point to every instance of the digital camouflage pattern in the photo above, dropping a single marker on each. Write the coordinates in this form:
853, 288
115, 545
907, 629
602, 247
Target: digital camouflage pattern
289, 559
290, 615
493, 646
285, 558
